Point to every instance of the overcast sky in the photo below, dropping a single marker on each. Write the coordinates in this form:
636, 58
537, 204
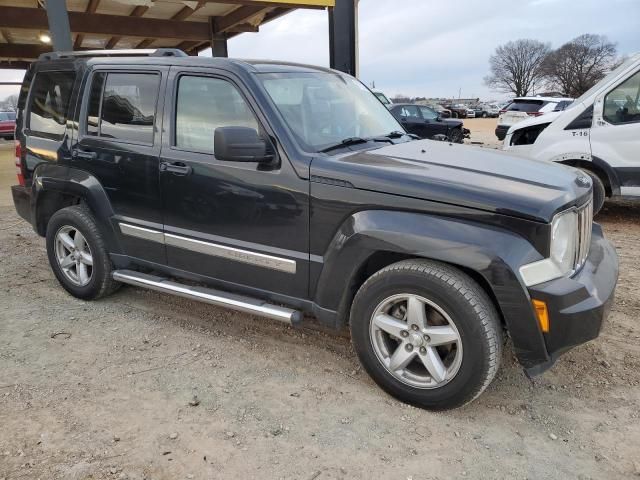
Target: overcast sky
435, 48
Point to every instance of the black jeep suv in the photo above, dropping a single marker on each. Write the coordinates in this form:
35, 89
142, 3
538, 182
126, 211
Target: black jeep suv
283, 190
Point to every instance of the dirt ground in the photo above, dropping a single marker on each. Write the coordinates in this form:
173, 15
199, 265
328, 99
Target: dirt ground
482, 131
147, 386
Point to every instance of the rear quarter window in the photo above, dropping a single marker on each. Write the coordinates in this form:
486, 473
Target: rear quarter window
525, 106
49, 103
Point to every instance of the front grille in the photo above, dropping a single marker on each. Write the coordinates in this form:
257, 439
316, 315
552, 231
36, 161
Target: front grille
585, 220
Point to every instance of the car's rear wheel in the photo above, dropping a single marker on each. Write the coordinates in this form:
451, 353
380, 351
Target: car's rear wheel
78, 255
426, 333
485, 114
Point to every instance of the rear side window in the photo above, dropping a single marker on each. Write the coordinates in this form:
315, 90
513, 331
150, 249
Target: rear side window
122, 106
409, 111
49, 103
7, 116
525, 106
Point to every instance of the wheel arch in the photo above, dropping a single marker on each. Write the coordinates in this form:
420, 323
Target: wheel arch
600, 168
57, 186
372, 240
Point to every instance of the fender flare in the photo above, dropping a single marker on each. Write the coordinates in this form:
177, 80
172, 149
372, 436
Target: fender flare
489, 252
49, 177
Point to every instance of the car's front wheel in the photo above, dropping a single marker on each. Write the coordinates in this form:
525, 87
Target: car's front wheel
426, 333
456, 136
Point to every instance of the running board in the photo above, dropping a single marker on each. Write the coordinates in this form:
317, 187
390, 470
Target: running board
208, 295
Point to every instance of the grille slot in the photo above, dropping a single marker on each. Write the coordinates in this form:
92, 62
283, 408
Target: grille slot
585, 221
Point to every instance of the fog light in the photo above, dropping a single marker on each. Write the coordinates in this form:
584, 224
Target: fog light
542, 313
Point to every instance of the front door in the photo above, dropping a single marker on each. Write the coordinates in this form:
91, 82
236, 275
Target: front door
412, 121
119, 143
236, 222
615, 133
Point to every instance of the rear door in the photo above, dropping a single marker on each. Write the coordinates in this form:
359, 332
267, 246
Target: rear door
237, 222
119, 143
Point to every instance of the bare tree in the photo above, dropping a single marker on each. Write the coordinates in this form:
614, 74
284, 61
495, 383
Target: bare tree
578, 65
516, 67
12, 102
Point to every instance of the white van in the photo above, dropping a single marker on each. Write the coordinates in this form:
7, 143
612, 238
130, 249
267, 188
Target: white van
598, 133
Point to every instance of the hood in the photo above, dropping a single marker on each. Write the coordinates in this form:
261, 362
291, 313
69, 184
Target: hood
452, 122
463, 175
539, 120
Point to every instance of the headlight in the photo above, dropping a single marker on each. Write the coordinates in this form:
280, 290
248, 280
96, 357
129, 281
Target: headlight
561, 261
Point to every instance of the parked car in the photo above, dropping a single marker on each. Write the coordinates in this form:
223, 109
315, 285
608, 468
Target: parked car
282, 190
7, 124
443, 112
485, 111
522, 108
383, 98
457, 111
471, 113
599, 133
425, 122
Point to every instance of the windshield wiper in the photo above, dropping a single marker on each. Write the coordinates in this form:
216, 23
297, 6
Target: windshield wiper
346, 142
395, 134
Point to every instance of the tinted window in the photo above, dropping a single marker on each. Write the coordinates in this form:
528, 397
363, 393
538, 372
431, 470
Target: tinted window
205, 104
95, 103
122, 106
7, 116
428, 114
622, 104
409, 111
49, 103
525, 105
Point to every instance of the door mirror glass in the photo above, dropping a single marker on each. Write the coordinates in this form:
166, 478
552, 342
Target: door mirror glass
240, 144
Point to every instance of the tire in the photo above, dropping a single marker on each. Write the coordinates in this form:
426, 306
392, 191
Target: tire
96, 281
456, 136
463, 309
484, 115
599, 192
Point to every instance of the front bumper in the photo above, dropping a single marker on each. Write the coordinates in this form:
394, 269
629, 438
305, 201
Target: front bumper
579, 305
22, 201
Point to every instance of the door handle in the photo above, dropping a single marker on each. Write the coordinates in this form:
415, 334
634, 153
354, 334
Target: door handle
177, 168
84, 155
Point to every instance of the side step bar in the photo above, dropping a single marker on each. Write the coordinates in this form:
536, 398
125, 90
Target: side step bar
208, 295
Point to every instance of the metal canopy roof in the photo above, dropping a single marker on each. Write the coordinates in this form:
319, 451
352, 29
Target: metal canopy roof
96, 24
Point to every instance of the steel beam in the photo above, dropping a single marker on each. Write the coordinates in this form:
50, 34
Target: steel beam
343, 36
59, 29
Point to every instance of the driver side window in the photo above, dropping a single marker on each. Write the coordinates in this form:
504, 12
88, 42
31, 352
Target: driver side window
622, 104
204, 104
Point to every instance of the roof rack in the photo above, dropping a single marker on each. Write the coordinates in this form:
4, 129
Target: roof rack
158, 52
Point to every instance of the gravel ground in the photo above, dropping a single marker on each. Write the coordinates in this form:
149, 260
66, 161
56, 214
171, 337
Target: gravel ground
146, 386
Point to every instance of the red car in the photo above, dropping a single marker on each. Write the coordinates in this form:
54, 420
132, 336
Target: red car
7, 125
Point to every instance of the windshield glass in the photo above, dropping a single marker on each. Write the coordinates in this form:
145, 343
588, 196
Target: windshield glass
323, 109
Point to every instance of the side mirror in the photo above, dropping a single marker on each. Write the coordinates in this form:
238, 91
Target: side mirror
240, 144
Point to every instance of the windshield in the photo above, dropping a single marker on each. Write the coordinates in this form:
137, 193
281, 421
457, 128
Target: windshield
323, 109
382, 97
